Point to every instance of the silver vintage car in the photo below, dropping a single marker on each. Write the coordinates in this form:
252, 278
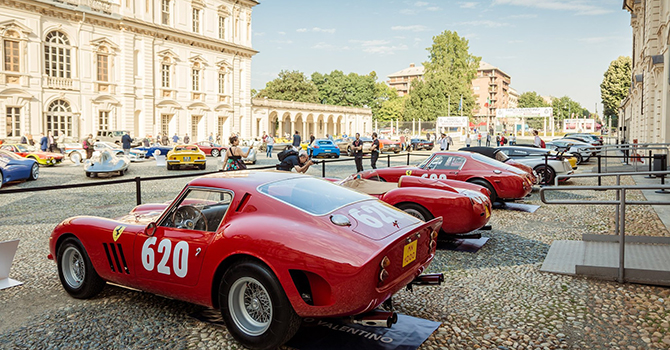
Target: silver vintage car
106, 162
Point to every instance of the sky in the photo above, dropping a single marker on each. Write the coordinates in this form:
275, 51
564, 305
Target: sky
553, 47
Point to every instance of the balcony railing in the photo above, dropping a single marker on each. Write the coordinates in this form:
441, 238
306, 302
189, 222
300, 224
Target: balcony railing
101, 6
60, 83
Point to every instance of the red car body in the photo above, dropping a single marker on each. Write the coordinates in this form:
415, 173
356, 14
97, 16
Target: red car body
464, 207
208, 147
44, 158
328, 251
503, 181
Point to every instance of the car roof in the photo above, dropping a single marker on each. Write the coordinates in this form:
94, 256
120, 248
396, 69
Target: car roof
487, 151
243, 180
527, 149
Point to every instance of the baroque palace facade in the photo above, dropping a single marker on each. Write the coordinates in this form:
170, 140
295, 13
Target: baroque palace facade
645, 112
147, 66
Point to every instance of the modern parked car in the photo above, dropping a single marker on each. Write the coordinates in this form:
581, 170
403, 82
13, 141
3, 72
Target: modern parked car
14, 168
535, 158
323, 148
594, 140
345, 144
390, 145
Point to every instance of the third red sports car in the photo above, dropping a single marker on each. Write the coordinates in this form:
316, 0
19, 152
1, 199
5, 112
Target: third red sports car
503, 181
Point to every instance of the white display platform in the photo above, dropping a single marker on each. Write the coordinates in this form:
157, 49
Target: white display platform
7, 252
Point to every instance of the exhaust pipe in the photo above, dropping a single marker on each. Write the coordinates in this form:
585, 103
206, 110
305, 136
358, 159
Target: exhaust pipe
433, 279
376, 318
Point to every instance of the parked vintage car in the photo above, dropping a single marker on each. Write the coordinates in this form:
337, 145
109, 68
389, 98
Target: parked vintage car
323, 148
466, 207
135, 154
581, 150
106, 162
504, 182
211, 148
42, 158
495, 153
387, 145
15, 168
265, 248
421, 144
556, 164
114, 136
151, 150
186, 155
594, 140
345, 145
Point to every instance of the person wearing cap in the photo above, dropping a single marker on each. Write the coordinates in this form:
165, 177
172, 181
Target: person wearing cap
300, 162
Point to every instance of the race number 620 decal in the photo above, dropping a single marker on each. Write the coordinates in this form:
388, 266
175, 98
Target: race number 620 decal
179, 257
381, 213
435, 177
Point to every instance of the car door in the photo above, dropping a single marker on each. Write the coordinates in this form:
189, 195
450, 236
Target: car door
175, 251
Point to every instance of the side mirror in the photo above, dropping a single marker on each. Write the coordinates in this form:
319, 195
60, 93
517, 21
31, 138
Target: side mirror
150, 230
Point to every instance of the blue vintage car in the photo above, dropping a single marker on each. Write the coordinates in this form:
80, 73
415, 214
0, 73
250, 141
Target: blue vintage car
14, 168
150, 150
324, 148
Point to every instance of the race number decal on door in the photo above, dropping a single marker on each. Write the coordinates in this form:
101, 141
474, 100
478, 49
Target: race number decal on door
435, 177
179, 257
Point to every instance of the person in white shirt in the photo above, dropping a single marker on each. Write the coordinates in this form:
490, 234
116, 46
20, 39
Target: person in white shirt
537, 142
269, 142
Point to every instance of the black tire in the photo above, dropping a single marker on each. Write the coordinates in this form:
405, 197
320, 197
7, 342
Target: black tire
34, 172
1, 179
76, 272
416, 211
215, 153
202, 166
268, 328
484, 183
579, 158
546, 173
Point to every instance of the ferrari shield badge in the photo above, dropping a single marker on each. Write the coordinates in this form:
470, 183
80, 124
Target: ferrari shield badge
408, 172
118, 230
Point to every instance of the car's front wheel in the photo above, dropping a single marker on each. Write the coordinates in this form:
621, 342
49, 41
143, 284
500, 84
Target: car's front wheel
255, 308
484, 183
34, 172
215, 153
75, 157
416, 211
579, 158
546, 174
76, 272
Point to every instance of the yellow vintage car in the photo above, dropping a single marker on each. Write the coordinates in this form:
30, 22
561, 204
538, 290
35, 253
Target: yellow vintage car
188, 155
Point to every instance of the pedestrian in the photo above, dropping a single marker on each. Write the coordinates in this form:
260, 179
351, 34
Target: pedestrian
165, 140
374, 151
187, 139
211, 137
467, 140
444, 142
60, 142
218, 139
498, 140
512, 139
450, 141
357, 148
537, 141
146, 142
88, 146
311, 138
479, 139
44, 142
24, 140
300, 162
175, 138
296, 140
329, 137
125, 142
488, 140
270, 142
30, 140
52, 142
232, 158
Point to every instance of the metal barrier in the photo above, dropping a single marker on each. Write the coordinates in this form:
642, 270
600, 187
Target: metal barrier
626, 149
620, 202
138, 180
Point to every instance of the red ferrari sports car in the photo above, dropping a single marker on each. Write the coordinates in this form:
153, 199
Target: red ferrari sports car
464, 207
211, 148
266, 248
503, 181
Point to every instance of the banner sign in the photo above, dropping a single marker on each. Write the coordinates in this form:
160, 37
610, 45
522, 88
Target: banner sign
524, 112
333, 334
579, 125
452, 122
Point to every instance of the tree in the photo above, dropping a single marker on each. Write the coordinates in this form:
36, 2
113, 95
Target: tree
392, 109
566, 108
290, 86
447, 76
351, 90
531, 99
615, 86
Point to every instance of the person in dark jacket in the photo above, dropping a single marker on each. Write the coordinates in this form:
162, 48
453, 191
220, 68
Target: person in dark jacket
299, 162
44, 143
357, 147
296, 140
126, 140
374, 151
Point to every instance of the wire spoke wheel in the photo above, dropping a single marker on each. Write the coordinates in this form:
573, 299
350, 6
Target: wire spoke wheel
74, 267
250, 306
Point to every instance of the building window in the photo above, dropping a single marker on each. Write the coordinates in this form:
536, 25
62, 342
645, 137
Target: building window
165, 12
222, 27
13, 121
195, 78
59, 118
12, 56
195, 120
103, 67
57, 55
103, 120
165, 124
222, 83
196, 20
165, 75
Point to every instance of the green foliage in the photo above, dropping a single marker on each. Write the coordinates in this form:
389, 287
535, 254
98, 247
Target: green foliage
350, 90
615, 86
447, 76
290, 86
392, 109
531, 99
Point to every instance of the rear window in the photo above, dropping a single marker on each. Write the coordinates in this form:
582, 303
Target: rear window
317, 197
325, 143
490, 161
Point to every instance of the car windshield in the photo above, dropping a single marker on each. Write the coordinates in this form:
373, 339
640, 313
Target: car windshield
301, 193
186, 148
22, 148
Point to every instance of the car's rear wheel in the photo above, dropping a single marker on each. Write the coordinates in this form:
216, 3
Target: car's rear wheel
255, 308
34, 172
76, 272
579, 158
484, 183
202, 166
416, 211
215, 152
75, 157
2, 179
546, 174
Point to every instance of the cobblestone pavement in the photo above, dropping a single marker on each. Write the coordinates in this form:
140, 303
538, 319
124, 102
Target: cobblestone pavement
493, 299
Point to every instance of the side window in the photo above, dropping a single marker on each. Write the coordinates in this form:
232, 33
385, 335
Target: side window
437, 162
199, 210
7, 148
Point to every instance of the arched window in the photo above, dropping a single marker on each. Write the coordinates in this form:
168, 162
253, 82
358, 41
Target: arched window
59, 118
57, 57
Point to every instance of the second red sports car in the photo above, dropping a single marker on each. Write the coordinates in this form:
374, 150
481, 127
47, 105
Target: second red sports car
503, 181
